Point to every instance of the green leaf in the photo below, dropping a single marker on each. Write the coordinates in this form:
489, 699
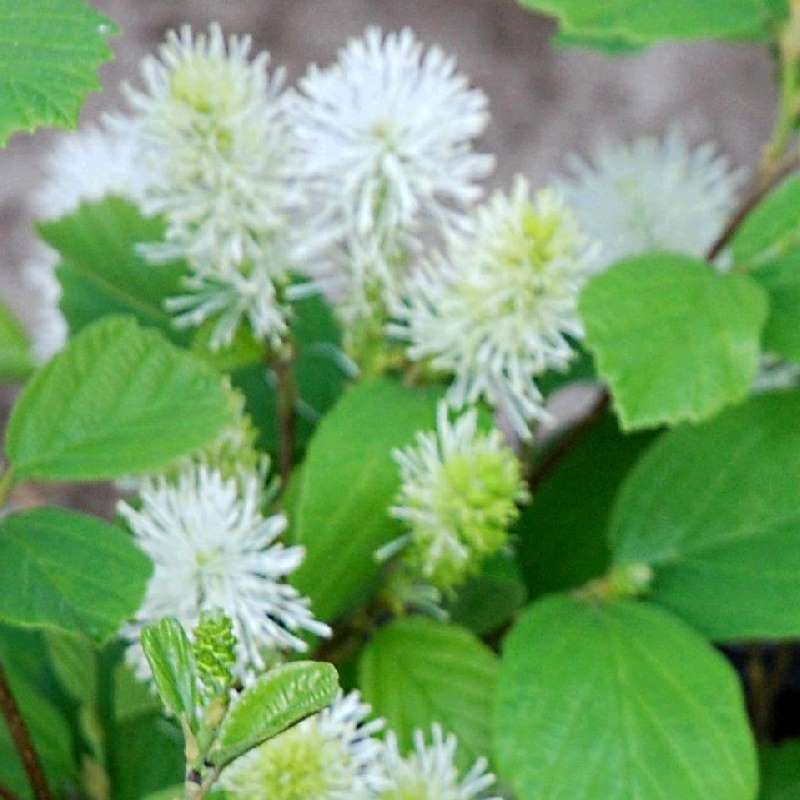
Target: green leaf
69, 572
646, 22
781, 280
674, 339
490, 599
118, 400
713, 509
561, 535
283, 697
74, 661
349, 481
618, 701
416, 671
132, 697
16, 356
150, 750
169, 653
49, 57
772, 228
101, 272
780, 772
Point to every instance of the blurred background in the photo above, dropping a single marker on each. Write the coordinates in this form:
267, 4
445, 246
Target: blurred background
545, 101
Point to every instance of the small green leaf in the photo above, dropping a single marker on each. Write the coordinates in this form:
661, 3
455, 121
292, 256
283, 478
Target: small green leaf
714, 510
70, 572
119, 400
169, 653
780, 772
772, 228
674, 339
348, 483
561, 536
416, 671
646, 22
781, 280
618, 701
101, 272
16, 356
283, 697
490, 599
49, 54
74, 661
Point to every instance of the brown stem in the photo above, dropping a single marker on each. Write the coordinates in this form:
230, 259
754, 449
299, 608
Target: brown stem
7, 794
287, 413
22, 739
759, 699
765, 182
569, 440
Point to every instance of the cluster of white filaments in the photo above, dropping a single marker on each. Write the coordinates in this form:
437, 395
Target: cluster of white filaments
212, 548
429, 771
333, 755
653, 195
385, 139
499, 307
216, 145
459, 495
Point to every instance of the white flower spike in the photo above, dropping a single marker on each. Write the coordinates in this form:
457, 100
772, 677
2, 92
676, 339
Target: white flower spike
497, 309
217, 146
330, 756
213, 549
385, 136
459, 495
429, 772
653, 195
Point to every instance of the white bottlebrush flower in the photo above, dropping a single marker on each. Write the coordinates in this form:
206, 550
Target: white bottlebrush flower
385, 138
50, 329
653, 195
212, 549
332, 755
497, 309
430, 773
216, 145
458, 497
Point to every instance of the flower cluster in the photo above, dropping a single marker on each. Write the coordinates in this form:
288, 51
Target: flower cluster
459, 495
499, 306
335, 755
213, 549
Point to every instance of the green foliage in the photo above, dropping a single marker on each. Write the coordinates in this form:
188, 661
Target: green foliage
781, 280
348, 482
50, 53
70, 572
618, 25
713, 509
73, 659
319, 373
780, 772
214, 650
169, 653
487, 601
561, 543
772, 228
16, 356
619, 700
118, 400
416, 671
275, 702
674, 339
101, 272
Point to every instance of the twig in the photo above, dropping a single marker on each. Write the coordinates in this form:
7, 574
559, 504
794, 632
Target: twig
569, 440
22, 739
764, 183
287, 413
